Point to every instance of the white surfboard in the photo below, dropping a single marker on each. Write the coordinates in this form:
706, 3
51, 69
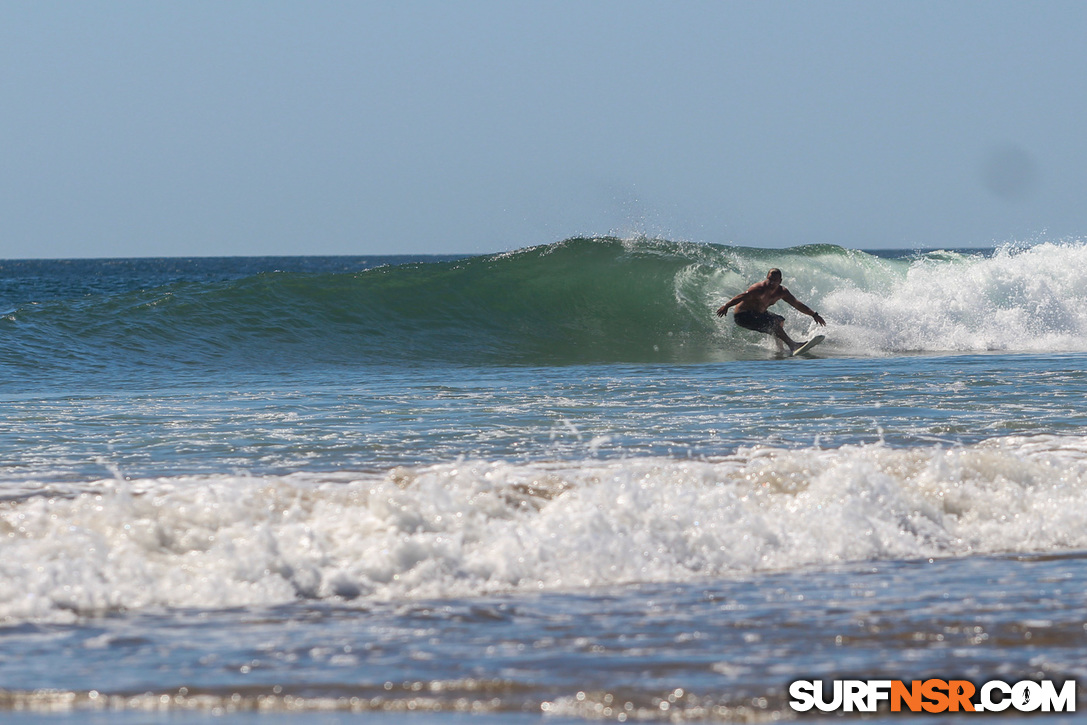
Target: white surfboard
809, 345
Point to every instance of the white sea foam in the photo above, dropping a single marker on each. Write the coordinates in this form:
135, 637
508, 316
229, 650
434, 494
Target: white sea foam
477, 527
1018, 300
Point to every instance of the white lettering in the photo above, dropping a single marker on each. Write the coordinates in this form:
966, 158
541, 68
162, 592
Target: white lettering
991, 705
878, 690
1064, 701
1027, 696
835, 702
855, 696
803, 694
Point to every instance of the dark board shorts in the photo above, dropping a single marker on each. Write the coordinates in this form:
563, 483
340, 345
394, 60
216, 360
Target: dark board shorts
758, 321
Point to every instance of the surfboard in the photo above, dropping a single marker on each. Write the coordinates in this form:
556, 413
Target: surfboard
809, 345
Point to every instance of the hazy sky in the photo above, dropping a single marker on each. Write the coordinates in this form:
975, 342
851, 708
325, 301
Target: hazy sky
223, 128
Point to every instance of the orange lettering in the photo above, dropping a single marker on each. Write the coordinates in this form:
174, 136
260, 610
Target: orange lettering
960, 692
912, 696
933, 690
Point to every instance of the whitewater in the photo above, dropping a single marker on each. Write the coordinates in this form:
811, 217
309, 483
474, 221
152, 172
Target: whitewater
547, 484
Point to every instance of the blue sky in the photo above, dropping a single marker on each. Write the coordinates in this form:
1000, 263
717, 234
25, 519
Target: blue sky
243, 128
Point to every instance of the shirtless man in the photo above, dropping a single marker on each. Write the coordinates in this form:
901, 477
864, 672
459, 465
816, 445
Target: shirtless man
751, 308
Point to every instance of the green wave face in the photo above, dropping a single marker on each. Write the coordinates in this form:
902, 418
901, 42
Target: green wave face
577, 301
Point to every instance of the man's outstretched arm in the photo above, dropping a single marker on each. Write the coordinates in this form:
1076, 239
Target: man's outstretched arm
734, 301
788, 297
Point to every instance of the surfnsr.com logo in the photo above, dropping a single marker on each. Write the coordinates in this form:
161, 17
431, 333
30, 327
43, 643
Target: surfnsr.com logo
932, 696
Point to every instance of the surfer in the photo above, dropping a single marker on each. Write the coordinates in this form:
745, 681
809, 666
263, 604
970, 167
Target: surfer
751, 308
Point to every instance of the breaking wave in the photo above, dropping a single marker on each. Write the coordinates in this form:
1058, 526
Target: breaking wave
476, 527
576, 301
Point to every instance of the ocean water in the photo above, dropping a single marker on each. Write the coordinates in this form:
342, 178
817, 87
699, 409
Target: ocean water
548, 485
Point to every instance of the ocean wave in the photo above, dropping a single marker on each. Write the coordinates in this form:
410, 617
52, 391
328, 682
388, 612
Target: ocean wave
482, 527
576, 301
